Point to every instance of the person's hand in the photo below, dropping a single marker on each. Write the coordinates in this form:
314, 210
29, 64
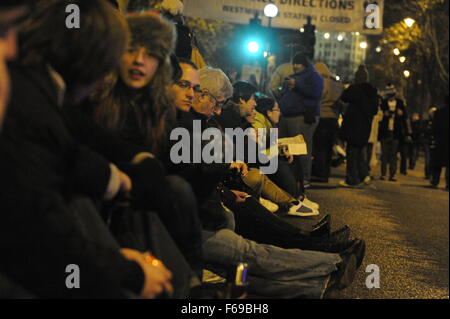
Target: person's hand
399, 112
241, 167
125, 182
289, 157
4, 83
290, 83
157, 276
240, 196
285, 152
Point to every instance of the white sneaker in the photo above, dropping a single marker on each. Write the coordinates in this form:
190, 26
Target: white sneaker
302, 211
271, 207
310, 204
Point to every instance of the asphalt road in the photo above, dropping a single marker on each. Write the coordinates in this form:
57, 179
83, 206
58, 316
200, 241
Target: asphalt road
405, 226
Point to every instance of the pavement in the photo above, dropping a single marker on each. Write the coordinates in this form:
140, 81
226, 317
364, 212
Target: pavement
406, 228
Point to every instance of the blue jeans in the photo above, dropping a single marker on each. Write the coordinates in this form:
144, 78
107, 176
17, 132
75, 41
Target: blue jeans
273, 271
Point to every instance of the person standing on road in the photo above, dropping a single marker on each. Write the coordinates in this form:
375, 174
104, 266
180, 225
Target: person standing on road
328, 128
392, 131
440, 151
300, 107
363, 105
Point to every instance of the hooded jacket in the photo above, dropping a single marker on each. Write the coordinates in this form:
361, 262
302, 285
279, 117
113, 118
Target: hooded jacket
305, 97
332, 90
363, 105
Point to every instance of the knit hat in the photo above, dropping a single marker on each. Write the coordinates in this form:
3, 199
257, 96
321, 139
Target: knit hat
362, 75
154, 33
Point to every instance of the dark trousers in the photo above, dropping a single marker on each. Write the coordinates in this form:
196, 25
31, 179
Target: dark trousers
403, 150
285, 179
413, 154
356, 164
324, 140
139, 230
256, 223
427, 158
436, 175
369, 153
179, 214
389, 149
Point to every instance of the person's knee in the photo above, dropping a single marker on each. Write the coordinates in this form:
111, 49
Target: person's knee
253, 179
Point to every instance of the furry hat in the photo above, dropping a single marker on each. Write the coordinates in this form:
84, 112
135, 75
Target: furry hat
154, 33
174, 7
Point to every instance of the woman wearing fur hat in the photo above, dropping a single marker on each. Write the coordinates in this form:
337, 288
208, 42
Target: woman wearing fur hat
135, 106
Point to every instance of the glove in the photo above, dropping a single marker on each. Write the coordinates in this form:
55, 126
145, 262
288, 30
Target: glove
310, 118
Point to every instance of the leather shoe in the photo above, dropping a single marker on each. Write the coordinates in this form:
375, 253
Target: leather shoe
322, 228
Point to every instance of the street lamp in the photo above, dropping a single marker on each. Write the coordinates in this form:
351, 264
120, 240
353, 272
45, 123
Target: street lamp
409, 22
253, 47
378, 49
363, 45
270, 11
402, 59
340, 37
326, 35
396, 51
406, 73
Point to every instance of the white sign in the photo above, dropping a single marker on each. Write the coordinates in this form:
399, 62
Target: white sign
328, 15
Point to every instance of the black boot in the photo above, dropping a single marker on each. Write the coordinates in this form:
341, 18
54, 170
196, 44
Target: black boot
358, 248
322, 228
341, 235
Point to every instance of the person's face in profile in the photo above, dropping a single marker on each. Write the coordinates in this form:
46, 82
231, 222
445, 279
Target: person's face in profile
138, 67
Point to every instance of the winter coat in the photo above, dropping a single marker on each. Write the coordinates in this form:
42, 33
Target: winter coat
41, 165
277, 81
400, 121
203, 177
332, 91
36, 140
231, 117
147, 177
357, 122
440, 135
306, 95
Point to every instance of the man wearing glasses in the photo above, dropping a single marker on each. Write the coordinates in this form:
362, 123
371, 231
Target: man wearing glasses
187, 86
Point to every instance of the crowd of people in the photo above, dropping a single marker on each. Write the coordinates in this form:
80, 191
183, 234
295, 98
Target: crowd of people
88, 176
